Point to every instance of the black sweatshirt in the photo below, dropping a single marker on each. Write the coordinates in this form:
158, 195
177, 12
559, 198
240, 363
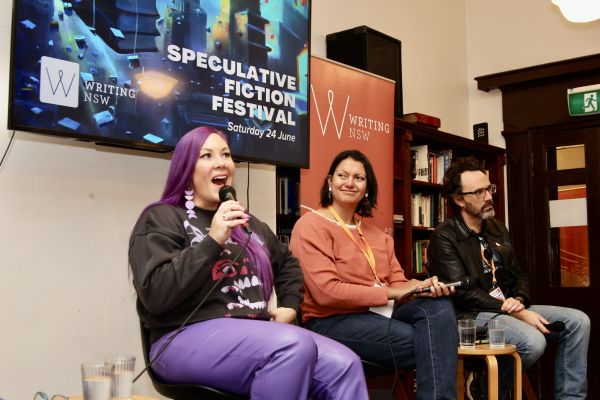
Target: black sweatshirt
175, 262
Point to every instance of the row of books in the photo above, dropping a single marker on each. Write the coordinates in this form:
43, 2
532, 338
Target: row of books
427, 210
420, 256
429, 166
288, 196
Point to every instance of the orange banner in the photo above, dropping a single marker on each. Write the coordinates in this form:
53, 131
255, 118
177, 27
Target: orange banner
350, 109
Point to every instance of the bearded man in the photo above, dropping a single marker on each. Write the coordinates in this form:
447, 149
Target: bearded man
474, 244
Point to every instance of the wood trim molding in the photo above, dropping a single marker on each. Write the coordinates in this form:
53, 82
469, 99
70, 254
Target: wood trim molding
574, 66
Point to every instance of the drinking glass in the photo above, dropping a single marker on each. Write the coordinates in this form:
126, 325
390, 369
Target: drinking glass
96, 378
496, 333
122, 377
466, 333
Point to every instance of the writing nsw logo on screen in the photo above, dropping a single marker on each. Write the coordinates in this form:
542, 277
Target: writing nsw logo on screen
360, 127
59, 82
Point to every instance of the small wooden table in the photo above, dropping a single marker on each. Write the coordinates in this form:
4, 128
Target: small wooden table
489, 354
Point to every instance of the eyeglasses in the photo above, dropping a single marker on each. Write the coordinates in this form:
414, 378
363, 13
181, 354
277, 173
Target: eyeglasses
480, 193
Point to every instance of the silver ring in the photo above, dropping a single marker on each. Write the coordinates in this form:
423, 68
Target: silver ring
224, 217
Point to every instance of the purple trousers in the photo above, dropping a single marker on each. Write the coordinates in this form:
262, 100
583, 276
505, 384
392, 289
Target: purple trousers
266, 360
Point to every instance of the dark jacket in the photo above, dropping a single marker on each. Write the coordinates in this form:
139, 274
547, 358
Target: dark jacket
454, 253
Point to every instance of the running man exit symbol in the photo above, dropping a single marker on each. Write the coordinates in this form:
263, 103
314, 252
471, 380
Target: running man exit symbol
583, 100
590, 101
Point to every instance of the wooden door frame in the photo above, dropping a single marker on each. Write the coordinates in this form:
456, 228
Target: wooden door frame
543, 178
534, 102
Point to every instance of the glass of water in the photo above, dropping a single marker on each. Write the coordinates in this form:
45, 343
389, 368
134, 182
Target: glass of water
122, 378
466, 333
496, 333
96, 377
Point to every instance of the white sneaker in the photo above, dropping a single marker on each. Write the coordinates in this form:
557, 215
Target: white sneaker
470, 379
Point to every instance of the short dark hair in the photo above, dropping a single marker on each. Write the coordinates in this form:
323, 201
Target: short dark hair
364, 208
452, 177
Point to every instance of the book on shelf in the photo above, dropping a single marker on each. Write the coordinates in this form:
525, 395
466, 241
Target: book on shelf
422, 162
420, 256
413, 164
439, 162
444, 159
427, 210
423, 119
426, 166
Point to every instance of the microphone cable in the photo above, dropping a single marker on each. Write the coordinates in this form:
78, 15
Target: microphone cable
466, 282
389, 340
226, 270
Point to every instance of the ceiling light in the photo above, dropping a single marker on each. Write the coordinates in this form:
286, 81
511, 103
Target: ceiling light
579, 10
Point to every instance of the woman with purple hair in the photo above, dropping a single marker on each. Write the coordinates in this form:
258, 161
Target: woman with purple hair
189, 245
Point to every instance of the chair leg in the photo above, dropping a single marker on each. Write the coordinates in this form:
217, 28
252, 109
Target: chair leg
517, 380
460, 379
492, 368
527, 388
404, 386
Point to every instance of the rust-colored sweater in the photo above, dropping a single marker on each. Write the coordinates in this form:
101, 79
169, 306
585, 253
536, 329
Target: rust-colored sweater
337, 276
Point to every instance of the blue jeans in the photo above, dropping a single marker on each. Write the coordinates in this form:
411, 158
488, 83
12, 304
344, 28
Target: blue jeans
570, 366
423, 335
266, 360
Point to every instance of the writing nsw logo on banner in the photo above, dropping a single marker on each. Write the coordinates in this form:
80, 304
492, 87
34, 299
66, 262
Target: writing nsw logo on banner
360, 127
59, 82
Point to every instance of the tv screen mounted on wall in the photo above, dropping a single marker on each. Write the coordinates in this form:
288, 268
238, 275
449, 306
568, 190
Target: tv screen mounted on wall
141, 73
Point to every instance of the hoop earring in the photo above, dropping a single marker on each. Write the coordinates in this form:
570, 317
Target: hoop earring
189, 203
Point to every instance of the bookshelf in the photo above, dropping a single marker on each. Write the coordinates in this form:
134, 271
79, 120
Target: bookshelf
418, 194
288, 199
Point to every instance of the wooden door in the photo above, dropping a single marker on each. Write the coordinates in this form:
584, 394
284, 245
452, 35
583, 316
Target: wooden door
565, 189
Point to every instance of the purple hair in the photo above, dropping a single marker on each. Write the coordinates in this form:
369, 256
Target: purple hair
181, 172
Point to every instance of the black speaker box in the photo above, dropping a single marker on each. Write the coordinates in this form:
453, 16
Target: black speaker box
372, 51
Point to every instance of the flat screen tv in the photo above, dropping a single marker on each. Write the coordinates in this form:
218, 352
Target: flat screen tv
141, 73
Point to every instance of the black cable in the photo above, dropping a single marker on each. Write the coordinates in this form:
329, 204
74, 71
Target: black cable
7, 148
389, 338
184, 323
248, 189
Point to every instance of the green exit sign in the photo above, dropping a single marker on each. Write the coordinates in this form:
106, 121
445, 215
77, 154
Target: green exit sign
583, 100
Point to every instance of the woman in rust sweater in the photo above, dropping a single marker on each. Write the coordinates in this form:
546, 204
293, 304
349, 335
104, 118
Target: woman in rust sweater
351, 277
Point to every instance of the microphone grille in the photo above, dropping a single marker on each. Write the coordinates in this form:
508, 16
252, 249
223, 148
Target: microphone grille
468, 283
225, 192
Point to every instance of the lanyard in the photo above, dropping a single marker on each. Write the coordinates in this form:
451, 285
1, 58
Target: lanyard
368, 253
492, 265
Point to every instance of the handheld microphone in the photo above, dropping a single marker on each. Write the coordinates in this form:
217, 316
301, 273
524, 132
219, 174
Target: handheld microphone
228, 193
466, 284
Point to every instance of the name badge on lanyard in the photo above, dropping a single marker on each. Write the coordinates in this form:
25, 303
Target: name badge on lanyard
497, 293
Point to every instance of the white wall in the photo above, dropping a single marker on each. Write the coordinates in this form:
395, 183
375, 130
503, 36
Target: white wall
66, 208
433, 36
511, 34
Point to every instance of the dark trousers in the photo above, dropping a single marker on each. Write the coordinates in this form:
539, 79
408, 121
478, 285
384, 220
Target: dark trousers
423, 335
